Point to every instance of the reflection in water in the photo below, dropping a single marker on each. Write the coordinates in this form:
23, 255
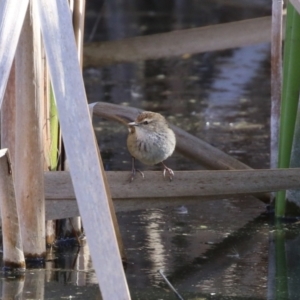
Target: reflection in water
233, 74
278, 272
154, 240
57, 281
34, 284
230, 276
284, 255
12, 287
206, 286
82, 264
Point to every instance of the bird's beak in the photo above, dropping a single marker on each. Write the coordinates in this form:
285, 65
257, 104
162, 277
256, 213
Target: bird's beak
131, 127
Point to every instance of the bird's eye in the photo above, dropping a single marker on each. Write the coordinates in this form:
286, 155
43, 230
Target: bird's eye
145, 122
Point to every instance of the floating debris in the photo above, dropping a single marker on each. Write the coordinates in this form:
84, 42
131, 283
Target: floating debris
234, 253
182, 210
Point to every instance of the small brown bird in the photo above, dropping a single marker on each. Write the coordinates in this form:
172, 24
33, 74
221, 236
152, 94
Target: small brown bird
151, 141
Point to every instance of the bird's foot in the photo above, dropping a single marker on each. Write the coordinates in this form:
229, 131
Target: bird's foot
170, 172
133, 172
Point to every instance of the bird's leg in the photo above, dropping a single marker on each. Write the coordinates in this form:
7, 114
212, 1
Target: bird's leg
170, 171
134, 170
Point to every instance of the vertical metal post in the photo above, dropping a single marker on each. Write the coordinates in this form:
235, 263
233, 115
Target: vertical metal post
29, 159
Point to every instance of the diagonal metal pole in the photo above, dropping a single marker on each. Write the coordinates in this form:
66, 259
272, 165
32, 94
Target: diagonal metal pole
77, 130
296, 4
12, 14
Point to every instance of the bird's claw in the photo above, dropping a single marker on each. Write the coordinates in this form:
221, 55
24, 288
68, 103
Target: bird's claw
170, 172
134, 172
